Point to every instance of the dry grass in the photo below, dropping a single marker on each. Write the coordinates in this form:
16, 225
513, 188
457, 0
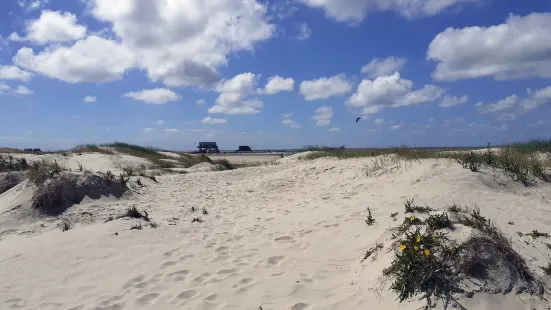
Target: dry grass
9, 180
9, 163
91, 148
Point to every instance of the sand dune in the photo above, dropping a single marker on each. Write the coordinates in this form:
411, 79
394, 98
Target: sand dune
287, 236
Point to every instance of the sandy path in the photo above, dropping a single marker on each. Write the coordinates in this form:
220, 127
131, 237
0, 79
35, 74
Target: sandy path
280, 237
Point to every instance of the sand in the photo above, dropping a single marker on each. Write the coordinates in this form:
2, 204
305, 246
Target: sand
286, 236
247, 158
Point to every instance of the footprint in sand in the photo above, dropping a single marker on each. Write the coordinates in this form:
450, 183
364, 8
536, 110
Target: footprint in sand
147, 299
300, 306
179, 276
275, 260
130, 283
189, 294
168, 264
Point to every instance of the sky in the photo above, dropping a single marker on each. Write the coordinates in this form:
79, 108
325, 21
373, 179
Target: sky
274, 74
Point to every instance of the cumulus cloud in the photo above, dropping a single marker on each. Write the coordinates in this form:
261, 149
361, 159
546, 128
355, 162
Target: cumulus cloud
290, 123
89, 99
277, 84
514, 106
450, 101
324, 88
182, 43
379, 67
304, 32
396, 127
323, 116
14, 73
379, 121
286, 115
52, 27
391, 91
334, 129
153, 96
354, 11
200, 102
160, 122
148, 130
518, 48
233, 96
22, 90
212, 121
93, 59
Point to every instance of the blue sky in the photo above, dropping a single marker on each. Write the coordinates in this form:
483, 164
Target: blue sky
274, 74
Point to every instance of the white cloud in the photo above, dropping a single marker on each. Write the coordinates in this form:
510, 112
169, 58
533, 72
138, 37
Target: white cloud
334, 129
14, 73
290, 123
169, 131
31, 5
354, 11
519, 48
212, 121
379, 121
52, 27
514, 106
391, 91
449, 101
233, 94
153, 96
200, 102
183, 42
4, 88
304, 32
147, 130
93, 59
277, 84
396, 127
324, 88
89, 99
22, 90
323, 116
283, 9
160, 122
379, 67
286, 115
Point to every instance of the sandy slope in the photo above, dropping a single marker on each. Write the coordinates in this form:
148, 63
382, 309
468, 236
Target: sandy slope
289, 236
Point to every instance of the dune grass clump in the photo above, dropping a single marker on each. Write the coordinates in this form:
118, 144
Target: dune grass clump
412, 207
428, 263
10, 180
91, 148
9, 163
224, 164
197, 219
42, 170
133, 212
65, 225
136, 226
369, 220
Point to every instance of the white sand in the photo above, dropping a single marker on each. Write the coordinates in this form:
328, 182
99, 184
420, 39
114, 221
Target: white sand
246, 158
289, 236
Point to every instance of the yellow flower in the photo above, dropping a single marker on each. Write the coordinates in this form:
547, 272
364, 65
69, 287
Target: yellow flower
416, 248
412, 218
427, 252
418, 239
403, 247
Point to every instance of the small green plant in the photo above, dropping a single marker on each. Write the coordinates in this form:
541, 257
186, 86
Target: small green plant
197, 219
535, 234
371, 251
134, 213
438, 221
471, 161
412, 207
369, 220
547, 269
454, 208
205, 212
66, 225
393, 216
192, 209
137, 227
153, 225
511, 223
